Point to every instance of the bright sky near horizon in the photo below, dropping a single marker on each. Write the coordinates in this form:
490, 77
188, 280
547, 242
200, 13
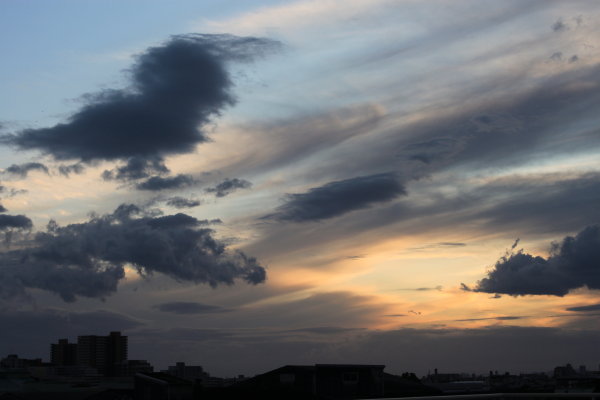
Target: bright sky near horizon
243, 185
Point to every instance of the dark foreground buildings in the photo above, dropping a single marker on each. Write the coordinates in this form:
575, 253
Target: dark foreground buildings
104, 353
63, 353
97, 368
323, 381
290, 382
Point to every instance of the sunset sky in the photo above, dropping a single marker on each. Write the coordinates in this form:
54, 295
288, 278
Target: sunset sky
247, 184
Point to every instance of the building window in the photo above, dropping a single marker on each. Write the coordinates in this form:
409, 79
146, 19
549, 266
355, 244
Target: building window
350, 377
287, 379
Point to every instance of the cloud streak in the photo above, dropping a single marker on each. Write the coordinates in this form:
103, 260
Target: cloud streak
21, 170
339, 197
505, 318
180, 202
158, 183
186, 307
592, 307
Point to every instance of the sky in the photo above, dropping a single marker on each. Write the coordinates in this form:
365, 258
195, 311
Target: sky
244, 185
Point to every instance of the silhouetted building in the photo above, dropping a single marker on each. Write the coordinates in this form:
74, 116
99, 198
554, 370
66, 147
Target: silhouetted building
63, 353
349, 381
91, 351
405, 385
568, 380
565, 371
116, 351
161, 386
111, 394
326, 381
132, 367
69, 370
442, 378
12, 361
189, 372
102, 352
457, 383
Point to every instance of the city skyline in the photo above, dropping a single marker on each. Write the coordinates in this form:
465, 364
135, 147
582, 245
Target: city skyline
244, 185
103, 352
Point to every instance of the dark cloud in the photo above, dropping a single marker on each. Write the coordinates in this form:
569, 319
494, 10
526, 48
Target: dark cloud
2, 209
557, 56
573, 263
228, 186
560, 25
186, 307
592, 307
137, 168
178, 220
514, 205
67, 170
88, 259
156, 183
180, 202
339, 197
13, 227
494, 133
175, 89
22, 170
14, 221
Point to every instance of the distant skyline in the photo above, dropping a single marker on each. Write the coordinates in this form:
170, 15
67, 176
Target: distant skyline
65, 353
243, 185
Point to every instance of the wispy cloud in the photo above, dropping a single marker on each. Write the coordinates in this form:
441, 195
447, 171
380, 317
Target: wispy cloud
187, 307
591, 307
